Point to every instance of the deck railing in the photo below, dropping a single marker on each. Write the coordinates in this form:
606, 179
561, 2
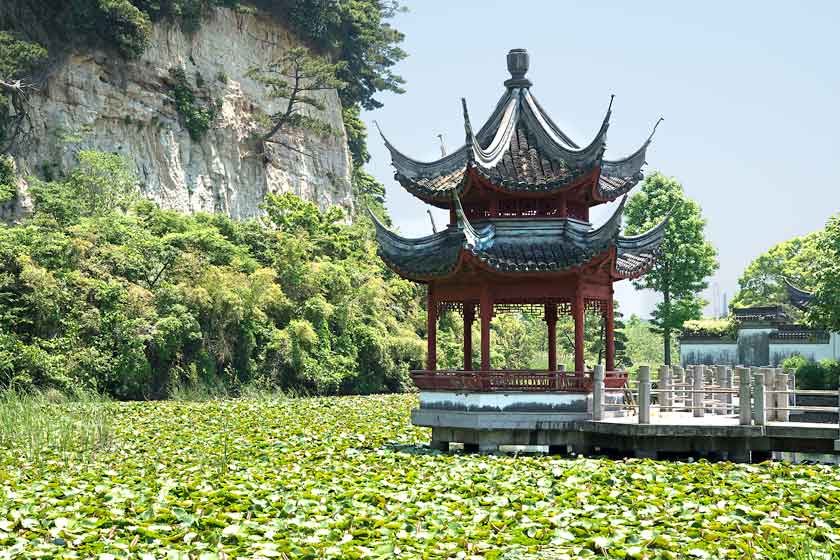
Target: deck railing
511, 380
755, 395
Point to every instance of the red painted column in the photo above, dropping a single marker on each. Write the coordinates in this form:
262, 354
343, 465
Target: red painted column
469, 317
486, 317
551, 319
609, 332
431, 329
578, 312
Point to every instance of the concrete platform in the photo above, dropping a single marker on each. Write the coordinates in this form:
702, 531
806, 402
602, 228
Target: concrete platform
672, 433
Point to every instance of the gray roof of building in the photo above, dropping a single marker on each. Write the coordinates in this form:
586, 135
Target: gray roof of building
799, 298
526, 246
520, 149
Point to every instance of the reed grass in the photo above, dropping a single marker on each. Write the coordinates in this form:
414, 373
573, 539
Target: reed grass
44, 425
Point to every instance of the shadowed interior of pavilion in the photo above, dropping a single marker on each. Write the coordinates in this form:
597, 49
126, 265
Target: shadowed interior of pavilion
519, 238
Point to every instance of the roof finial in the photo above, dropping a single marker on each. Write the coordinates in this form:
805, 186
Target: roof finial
517, 64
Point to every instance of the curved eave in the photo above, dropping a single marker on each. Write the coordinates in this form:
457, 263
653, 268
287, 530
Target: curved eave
418, 258
552, 145
414, 169
607, 234
438, 191
799, 298
503, 129
618, 177
636, 255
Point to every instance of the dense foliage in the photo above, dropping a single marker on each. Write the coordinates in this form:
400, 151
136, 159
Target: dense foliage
8, 188
824, 374
711, 327
348, 477
763, 281
686, 260
824, 311
644, 345
197, 116
99, 290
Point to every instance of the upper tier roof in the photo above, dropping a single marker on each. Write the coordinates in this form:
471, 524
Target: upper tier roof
520, 149
518, 246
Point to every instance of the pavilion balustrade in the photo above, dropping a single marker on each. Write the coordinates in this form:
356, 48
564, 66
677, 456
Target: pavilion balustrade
485, 378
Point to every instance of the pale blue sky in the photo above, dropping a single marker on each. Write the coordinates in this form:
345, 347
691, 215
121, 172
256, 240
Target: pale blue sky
747, 89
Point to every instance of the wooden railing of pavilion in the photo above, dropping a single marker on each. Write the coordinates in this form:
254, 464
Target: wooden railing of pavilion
512, 380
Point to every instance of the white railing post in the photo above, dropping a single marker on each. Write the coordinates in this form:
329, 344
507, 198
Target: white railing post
782, 397
720, 376
678, 381
759, 408
837, 441
769, 395
665, 389
744, 404
644, 395
598, 393
727, 397
697, 395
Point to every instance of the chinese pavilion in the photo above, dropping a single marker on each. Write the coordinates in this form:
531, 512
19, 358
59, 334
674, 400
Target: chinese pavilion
518, 194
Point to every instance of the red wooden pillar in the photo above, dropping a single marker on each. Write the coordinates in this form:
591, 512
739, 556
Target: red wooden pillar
551, 320
609, 332
578, 312
469, 317
431, 330
486, 317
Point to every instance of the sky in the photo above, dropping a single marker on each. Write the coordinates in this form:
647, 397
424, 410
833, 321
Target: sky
747, 90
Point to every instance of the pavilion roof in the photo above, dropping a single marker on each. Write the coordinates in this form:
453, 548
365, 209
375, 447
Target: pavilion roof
520, 149
518, 246
799, 298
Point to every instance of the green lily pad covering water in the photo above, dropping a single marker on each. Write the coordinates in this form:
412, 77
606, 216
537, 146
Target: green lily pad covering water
351, 478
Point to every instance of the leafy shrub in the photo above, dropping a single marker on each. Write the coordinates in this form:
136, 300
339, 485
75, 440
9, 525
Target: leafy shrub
710, 327
822, 375
8, 188
128, 27
19, 57
197, 117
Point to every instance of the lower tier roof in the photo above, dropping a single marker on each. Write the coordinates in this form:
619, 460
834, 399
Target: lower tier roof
519, 246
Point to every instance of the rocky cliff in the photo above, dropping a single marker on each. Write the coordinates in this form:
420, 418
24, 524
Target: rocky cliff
97, 101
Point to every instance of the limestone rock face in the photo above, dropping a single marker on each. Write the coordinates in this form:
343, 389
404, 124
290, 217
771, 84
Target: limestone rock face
98, 101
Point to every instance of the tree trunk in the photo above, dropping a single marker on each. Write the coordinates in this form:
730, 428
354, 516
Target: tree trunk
666, 331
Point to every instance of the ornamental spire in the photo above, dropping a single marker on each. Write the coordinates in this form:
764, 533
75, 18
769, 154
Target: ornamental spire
517, 64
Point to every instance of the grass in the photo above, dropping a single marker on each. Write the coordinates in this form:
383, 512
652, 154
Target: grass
275, 477
49, 424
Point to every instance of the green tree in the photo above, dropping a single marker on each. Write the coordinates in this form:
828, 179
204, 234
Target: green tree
18, 60
132, 300
101, 184
644, 345
825, 307
763, 281
686, 260
300, 79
